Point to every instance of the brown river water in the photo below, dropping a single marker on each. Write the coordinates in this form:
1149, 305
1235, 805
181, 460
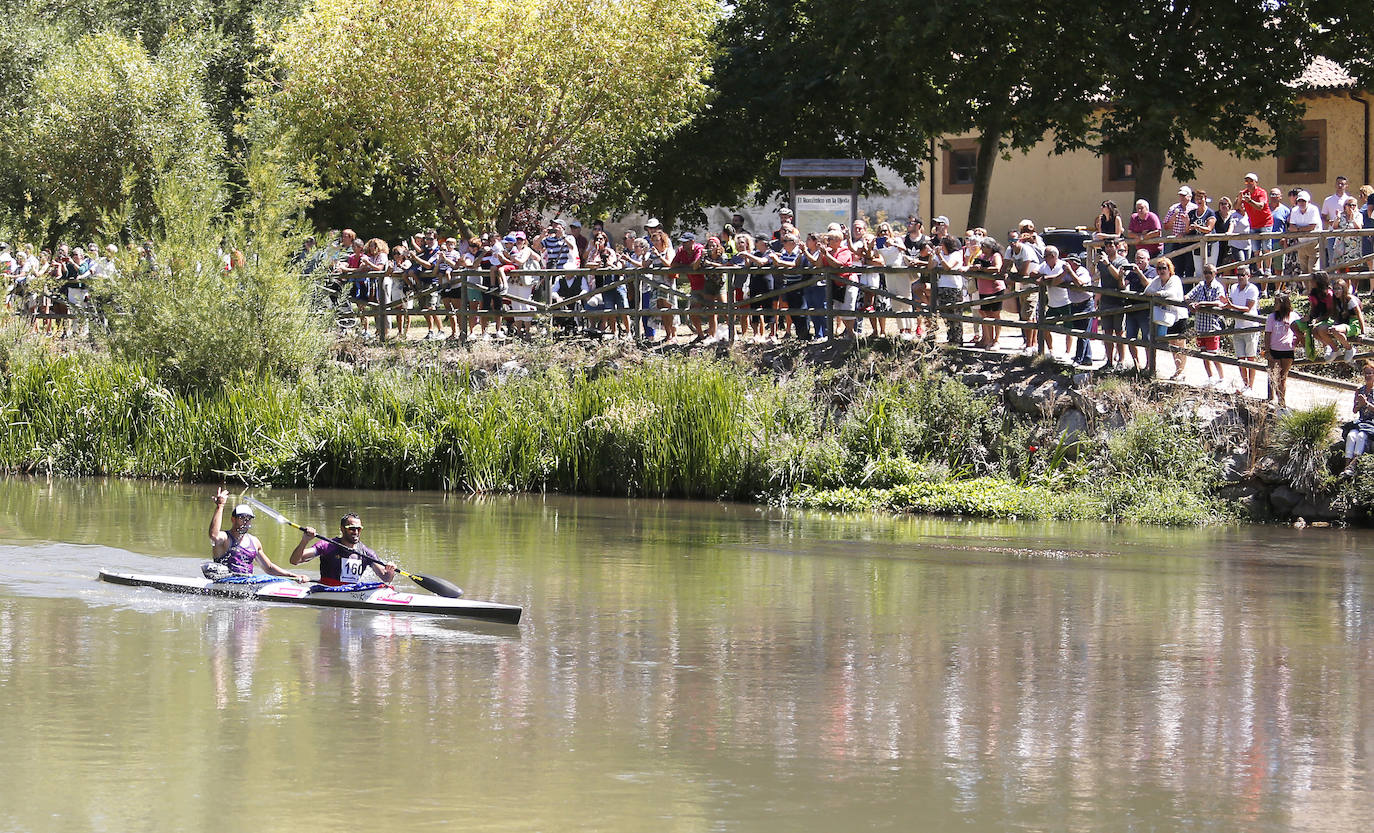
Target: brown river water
685, 667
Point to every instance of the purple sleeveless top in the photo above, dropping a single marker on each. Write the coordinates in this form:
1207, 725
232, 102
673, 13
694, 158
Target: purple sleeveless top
240, 555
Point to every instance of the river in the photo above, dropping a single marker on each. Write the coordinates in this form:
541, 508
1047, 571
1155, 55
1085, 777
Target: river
685, 667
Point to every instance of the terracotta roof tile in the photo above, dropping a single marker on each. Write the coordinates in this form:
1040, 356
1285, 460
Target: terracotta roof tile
1325, 74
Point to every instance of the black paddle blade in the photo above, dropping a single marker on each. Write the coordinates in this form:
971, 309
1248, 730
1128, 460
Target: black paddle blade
437, 586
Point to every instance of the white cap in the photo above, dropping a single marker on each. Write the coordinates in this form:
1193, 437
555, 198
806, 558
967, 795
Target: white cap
1185, 190
1253, 176
652, 223
243, 509
1304, 196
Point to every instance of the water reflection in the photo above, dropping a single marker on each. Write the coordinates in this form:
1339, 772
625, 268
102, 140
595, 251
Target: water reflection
693, 667
234, 637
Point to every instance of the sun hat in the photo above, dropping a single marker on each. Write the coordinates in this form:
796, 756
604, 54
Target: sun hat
652, 223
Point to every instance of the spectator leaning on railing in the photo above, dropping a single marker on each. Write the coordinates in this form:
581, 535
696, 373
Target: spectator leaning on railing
1243, 297
1206, 296
1304, 217
1145, 228
1170, 319
1112, 269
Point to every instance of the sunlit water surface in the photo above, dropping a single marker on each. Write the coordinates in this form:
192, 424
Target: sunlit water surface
685, 667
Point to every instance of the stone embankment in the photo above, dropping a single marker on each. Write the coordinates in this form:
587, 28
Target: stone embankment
1086, 407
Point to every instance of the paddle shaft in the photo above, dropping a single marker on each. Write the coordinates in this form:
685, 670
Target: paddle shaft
437, 586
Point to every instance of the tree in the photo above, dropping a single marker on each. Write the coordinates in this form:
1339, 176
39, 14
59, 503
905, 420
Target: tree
1006, 71
103, 120
812, 78
1189, 71
482, 97
772, 97
203, 325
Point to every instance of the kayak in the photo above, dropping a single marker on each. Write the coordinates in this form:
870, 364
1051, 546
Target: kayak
367, 597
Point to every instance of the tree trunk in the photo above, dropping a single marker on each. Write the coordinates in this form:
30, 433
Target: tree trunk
1149, 171
988, 147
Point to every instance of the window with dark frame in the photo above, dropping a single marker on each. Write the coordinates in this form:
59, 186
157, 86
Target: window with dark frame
1121, 168
1305, 163
963, 166
1306, 157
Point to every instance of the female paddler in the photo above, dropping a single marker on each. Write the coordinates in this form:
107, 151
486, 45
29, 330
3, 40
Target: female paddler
235, 550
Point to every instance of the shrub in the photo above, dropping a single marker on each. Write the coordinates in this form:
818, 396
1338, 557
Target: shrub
1153, 447
204, 326
1300, 442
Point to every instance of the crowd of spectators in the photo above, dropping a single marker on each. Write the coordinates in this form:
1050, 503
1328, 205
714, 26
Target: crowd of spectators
46, 285
764, 272
584, 273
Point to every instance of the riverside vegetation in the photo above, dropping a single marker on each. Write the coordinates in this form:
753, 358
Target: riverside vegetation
887, 429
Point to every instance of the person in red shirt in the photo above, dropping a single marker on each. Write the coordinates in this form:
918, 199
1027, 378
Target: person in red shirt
1253, 199
689, 255
834, 252
1145, 226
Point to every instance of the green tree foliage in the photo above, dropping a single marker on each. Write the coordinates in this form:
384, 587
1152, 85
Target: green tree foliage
481, 97
103, 121
1006, 72
808, 78
1189, 71
771, 98
203, 325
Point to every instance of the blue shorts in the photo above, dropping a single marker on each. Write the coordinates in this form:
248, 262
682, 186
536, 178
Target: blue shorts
1137, 324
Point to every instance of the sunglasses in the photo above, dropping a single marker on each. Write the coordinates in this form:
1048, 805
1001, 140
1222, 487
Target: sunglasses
355, 528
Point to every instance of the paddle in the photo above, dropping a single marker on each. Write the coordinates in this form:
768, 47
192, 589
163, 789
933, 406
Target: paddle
437, 586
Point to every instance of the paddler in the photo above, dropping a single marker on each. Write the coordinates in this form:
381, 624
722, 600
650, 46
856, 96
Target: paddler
235, 551
338, 566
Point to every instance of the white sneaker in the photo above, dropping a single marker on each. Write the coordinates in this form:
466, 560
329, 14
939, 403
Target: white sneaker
1349, 355
1328, 355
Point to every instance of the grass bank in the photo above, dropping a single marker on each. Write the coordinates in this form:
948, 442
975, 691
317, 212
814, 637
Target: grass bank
876, 432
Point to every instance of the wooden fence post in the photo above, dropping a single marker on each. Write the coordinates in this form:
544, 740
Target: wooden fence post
935, 308
463, 307
1151, 362
548, 299
1043, 306
637, 304
730, 307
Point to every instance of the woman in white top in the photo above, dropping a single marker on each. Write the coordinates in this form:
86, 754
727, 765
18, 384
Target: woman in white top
889, 247
949, 289
521, 285
1170, 320
1243, 297
1345, 250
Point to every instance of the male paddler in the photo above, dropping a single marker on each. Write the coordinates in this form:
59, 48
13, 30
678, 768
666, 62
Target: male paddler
338, 566
234, 551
